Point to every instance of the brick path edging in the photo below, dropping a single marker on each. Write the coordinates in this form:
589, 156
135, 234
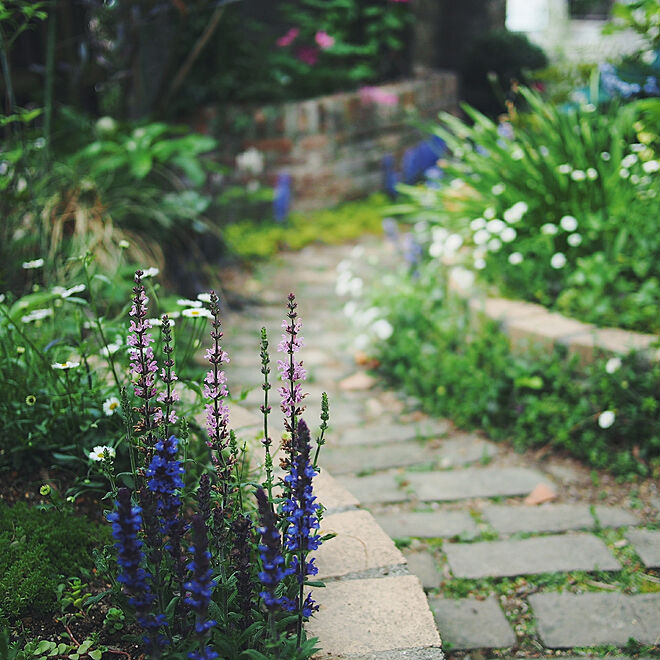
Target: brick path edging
528, 324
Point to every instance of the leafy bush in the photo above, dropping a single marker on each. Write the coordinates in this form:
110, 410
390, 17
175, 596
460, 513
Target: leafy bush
462, 367
556, 206
494, 61
38, 548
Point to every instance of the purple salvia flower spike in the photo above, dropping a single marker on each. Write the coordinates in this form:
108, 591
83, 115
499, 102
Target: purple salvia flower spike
143, 362
168, 376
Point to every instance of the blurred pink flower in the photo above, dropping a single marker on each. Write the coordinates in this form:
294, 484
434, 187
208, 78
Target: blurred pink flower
308, 55
377, 95
324, 40
288, 38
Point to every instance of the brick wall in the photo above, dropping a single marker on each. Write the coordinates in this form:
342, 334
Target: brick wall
332, 146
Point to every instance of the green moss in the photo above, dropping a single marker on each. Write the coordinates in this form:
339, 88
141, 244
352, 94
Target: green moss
36, 548
346, 222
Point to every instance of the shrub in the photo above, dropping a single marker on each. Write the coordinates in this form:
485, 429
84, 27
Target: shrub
494, 61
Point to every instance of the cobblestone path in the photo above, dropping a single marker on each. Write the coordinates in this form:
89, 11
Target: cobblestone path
504, 578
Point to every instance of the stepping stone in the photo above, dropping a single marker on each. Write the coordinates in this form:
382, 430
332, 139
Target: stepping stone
427, 525
343, 460
372, 616
543, 554
381, 433
647, 545
374, 488
464, 449
360, 545
565, 620
331, 495
554, 517
473, 482
468, 623
423, 566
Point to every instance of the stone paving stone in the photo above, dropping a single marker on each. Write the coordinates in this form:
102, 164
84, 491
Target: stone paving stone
366, 617
423, 566
381, 433
543, 554
427, 524
331, 494
403, 654
374, 488
466, 448
564, 620
473, 482
554, 517
468, 623
360, 545
343, 460
647, 545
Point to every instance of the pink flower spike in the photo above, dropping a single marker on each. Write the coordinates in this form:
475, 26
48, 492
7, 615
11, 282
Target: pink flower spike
324, 40
288, 38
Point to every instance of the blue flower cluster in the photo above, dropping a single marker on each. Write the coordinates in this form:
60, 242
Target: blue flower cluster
302, 513
613, 85
200, 586
126, 523
270, 553
164, 473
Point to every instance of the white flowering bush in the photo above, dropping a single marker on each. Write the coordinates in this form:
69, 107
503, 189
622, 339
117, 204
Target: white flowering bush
557, 206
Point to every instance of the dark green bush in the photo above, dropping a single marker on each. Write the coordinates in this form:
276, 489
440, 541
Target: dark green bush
37, 548
510, 56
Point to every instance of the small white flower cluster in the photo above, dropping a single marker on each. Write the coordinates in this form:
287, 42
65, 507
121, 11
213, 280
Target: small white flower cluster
37, 315
444, 244
347, 284
67, 293
102, 453
250, 161
31, 265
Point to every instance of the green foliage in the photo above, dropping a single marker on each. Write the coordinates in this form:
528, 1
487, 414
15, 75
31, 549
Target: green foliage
571, 192
344, 223
494, 61
464, 368
37, 547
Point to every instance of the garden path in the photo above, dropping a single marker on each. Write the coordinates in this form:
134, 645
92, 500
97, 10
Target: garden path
515, 552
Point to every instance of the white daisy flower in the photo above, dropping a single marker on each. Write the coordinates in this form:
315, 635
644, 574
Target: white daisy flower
549, 229
494, 244
479, 263
489, 213
568, 223
124, 244
558, 260
592, 173
508, 234
517, 154
37, 315
605, 155
624, 173
111, 406
651, 166
204, 297
197, 312
150, 272
574, 240
613, 365
477, 224
35, 263
498, 189
516, 212
184, 302
495, 226
65, 366
606, 419
629, 161
564, 168
481, 237
515, 258
578, 175
100, 452
382, 329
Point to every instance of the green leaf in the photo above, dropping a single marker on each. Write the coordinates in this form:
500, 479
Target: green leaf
96, 655
141, 164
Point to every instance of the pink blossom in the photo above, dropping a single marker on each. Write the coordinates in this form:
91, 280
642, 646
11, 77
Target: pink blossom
288, 38
324, 40
378, 95
308, 54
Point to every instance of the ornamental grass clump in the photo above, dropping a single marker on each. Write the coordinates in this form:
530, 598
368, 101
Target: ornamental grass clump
229, 580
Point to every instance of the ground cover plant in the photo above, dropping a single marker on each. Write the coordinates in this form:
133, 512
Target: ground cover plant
230, 580
555, 206
428, 342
